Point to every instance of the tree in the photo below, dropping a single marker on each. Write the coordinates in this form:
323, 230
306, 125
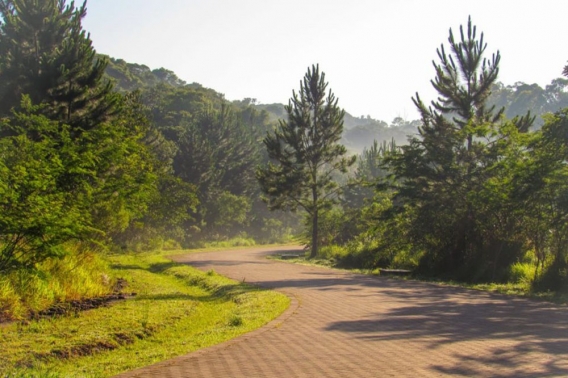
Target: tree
217, 147
106, 168
463, 86
304, 153
217, 154
520, 97
45, 53
442, 175
36, 216
541, 191
369, 170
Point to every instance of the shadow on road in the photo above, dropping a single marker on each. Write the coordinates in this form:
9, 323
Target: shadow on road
438, 316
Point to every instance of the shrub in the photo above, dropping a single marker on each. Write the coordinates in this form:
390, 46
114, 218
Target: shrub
240, 241
331, 252
522, 273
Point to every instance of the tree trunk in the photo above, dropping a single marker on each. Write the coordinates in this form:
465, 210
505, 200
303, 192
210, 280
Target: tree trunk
314, 251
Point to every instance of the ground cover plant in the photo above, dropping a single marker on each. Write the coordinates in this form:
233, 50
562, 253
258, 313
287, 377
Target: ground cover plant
520, 284
177, 309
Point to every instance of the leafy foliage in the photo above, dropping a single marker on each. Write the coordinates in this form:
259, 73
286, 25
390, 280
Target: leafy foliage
36, 216
216, 149
129, 77
520, 97
74, 162
542, 193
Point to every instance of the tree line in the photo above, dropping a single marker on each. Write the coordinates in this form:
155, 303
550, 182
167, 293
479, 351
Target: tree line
474, 196
100, 152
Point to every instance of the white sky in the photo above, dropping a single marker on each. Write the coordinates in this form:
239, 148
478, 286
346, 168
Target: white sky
376, 53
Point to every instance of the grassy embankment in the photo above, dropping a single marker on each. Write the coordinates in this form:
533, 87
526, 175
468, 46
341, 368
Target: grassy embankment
177, 310
522, 275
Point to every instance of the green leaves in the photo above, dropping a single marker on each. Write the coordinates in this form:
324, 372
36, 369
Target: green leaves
36, 216
75, 155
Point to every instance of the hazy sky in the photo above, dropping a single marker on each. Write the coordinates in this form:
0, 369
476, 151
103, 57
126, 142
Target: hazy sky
376, 53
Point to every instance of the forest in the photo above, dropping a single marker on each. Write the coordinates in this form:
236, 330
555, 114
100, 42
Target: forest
99, 156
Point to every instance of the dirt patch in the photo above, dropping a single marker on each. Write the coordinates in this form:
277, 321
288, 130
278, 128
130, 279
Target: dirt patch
74, 307
86, 349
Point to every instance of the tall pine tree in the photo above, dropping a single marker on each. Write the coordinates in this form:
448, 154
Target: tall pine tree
305, 153
441, 174
45, 54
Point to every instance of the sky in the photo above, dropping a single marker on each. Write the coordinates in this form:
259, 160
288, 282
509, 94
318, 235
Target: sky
376, 54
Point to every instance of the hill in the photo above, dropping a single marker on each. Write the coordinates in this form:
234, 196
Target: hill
359, 132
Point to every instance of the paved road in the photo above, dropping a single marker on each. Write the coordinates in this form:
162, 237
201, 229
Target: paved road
345, 325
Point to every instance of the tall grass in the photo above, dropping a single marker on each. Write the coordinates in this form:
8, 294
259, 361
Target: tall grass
80, 274
240, 241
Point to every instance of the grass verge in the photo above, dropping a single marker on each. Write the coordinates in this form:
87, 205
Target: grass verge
178, 310
519, 289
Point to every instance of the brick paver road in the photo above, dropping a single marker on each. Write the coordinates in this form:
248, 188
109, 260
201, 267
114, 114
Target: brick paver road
345, 325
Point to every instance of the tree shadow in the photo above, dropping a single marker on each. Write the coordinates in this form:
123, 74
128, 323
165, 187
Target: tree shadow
438, 316
162, 267
173, 296
126, 267
441, 316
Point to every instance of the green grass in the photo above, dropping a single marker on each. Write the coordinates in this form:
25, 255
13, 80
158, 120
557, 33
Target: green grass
521, 288
178, 309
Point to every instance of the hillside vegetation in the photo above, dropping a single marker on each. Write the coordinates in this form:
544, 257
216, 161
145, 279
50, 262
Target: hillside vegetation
98, 155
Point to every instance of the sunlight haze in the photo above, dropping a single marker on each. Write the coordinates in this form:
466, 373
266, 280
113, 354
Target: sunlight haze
376, 54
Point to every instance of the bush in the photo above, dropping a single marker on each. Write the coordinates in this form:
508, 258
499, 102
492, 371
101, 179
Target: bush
240, 241
522, 273
36, 216
274, 230
358, 255
555, 277
331, 252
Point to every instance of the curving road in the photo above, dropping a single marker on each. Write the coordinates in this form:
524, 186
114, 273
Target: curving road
347, 325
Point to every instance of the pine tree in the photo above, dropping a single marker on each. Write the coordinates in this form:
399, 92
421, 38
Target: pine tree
45, 54
304, 153
441, 174
217, 153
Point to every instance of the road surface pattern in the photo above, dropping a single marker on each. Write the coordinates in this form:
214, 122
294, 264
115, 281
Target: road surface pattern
347, 325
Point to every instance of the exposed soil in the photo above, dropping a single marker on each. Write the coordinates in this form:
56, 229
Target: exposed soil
76, 306
113, 342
